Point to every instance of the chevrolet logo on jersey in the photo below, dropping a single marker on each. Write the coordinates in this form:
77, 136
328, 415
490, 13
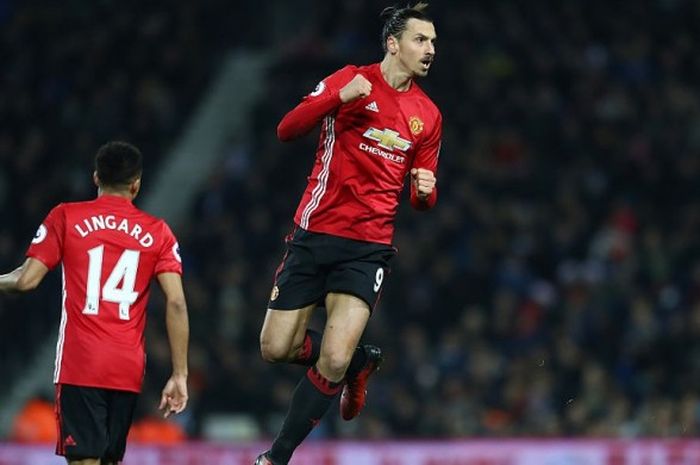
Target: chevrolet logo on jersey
387, 139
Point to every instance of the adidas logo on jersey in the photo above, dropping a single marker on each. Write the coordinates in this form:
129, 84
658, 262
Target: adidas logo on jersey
69, 441
372, 107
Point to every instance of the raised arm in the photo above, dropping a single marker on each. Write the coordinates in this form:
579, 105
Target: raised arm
343, 86
174, 396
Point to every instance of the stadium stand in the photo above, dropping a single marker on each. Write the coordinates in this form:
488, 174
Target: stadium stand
554, 291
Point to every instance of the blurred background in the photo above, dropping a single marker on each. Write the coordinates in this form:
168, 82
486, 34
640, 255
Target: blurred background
554, 291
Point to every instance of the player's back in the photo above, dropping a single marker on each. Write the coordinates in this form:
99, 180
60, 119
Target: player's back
110, 252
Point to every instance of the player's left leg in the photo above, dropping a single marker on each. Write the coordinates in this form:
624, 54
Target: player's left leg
354, 395
120, 416
347, 319
81, 414
363, 277
345, 323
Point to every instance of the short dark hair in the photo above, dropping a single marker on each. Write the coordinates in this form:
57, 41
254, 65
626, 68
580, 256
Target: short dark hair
118, 164
395, 19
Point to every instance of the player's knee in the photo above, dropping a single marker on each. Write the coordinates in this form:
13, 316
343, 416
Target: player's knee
334, 363
272, 351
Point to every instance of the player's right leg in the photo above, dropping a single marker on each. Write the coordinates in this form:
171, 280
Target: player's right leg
346, 319
284, 337
298, 287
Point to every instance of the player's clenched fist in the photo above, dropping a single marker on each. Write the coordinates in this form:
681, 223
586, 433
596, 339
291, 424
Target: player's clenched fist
424, 182
359, 87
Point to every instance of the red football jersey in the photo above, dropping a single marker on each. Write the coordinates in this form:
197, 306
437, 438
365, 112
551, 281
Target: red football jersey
366, 149
110, 252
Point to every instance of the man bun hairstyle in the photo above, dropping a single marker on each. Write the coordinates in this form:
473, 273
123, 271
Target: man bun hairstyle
118, 164
395, 19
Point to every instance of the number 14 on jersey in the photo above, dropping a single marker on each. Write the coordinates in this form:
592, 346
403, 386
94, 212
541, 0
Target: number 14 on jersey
124, 272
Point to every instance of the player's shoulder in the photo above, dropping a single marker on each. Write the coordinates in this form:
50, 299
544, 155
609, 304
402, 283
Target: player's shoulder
347, 72
336, 79
350, 68
152, 219
157, 225
368, 68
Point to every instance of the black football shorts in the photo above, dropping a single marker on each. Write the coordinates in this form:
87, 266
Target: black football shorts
315, 264
93, 422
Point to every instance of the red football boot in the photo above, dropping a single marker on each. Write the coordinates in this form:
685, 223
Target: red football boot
354, 395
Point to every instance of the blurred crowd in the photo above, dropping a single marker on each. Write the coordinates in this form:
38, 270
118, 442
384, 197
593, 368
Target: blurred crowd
555, 288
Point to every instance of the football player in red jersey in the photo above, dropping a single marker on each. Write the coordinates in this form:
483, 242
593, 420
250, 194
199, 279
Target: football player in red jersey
110, 252
377, 128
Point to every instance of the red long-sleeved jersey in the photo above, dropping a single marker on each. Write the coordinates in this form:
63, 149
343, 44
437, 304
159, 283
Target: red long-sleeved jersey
366, 149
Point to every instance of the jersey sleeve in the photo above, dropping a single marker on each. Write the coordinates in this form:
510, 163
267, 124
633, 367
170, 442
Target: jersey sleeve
427, 158
315, 106
169, 260
47, 245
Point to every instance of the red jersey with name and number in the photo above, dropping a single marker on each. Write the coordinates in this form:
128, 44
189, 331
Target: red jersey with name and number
366, 149
110, 251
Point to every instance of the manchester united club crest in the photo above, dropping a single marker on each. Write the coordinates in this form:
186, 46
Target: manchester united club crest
416, 125
275, 293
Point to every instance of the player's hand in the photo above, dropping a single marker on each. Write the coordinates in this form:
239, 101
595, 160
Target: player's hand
174, 396
359, 87
424, 182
